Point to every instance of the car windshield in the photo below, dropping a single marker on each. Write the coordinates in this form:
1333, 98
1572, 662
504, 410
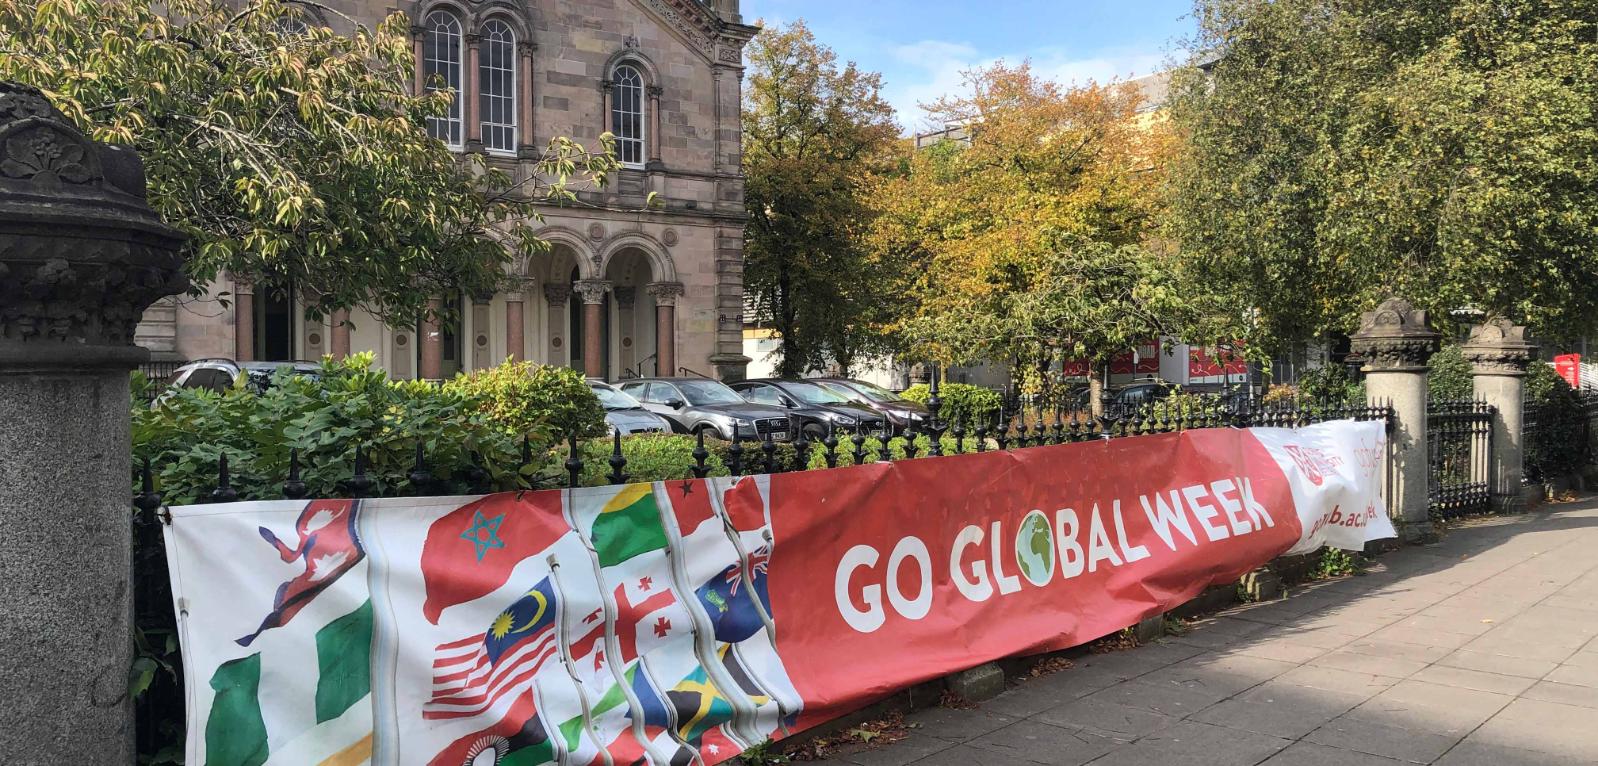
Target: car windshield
703, 392
870, 392
810, 393
611, 399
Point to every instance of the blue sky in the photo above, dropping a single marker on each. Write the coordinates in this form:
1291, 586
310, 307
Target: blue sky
921, 46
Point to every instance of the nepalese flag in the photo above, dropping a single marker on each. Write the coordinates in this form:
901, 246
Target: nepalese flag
472, 551
726, 598
474, 673
518, 739
327, 543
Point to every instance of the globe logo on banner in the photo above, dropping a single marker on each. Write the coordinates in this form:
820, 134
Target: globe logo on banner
1034, 548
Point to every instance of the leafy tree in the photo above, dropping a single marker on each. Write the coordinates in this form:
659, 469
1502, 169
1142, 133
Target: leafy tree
290, 153
814, 131
1445, 150
1029, 237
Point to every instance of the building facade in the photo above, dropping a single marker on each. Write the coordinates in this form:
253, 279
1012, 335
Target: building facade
623, 290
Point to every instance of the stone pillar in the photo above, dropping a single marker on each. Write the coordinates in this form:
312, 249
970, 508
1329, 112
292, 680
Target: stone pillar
593, 293
605, 88
339, 345
515, 325
243, 320
480, 353
626, 300
1396, 342
557, 295
1499, 353
468, 94
526, 137
430, 362
81, 257
418, 35
655, 123
666, 295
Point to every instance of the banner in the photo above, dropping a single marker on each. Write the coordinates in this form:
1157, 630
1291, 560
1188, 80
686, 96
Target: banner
682, 622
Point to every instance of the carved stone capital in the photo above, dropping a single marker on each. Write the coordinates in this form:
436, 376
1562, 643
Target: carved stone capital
1499, 347
557, 294
526, 47
82, 255
656, 91
625, 296
665, 293
592, 290
1394, 338
515, 291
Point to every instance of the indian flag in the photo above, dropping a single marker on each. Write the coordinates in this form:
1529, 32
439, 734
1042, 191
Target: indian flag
265, 714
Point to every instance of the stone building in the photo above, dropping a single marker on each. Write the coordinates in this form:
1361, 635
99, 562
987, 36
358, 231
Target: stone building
622, 291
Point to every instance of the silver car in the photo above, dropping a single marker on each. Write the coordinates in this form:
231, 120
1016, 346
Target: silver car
626, 415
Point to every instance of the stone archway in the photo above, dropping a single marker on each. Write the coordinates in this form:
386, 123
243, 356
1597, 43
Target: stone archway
634, 347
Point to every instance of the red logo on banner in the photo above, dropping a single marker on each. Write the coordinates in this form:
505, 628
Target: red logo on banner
1569, 368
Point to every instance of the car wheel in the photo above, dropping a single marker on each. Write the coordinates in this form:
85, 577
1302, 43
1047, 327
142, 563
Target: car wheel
709, 431
814, 432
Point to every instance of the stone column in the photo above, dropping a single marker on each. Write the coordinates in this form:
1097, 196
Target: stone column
1499, 353
593, 294
418, 35
655, 123
626, 299
1396, 342
557, 295
665, 295
526, 137
81, 257
468, 93
339, 345
431, 360
243, 320
605, 88
480, 352
515, 325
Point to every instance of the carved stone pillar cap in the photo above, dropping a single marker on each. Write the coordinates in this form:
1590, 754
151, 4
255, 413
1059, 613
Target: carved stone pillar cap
592, 290
665, 293
82, 255
1499, 347
625, 296
556, 293
1395, 337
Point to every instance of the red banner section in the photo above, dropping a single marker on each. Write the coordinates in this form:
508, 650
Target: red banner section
1569, 368
936, 566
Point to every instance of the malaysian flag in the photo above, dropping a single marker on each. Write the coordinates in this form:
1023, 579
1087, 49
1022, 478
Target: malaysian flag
473, 673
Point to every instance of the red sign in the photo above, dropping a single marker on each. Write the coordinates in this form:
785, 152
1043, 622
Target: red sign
1074, 543
1144, 360
1215, 364
1569, 367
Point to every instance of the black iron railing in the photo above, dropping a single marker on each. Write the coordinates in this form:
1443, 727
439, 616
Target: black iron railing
1459, 437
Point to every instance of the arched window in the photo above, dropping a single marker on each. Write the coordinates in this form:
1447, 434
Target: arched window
441, 66
627, 114
496, 86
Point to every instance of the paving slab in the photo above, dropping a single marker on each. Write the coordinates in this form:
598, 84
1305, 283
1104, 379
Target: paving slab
1481, 650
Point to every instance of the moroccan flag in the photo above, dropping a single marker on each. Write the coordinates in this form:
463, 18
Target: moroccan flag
472, 551
726, 599
628, 525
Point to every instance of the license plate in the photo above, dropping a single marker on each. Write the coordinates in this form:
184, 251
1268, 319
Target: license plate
778, 436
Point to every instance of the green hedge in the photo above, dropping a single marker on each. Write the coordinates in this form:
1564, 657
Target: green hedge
1556, 429
962, 402
1449, 378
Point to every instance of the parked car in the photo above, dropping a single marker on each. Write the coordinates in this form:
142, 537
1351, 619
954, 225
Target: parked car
626, 415
817, 410
900, 412
1129, 399
219, 374
692, 405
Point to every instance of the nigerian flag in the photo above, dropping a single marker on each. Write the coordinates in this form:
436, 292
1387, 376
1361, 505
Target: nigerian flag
258, 719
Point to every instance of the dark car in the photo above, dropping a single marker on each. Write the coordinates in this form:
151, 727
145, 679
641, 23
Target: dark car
219, 374
816, 409
701, 404
626, 415
900, 412
1127, 400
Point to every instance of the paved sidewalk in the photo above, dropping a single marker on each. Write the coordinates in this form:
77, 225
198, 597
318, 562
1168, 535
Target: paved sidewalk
1479, 651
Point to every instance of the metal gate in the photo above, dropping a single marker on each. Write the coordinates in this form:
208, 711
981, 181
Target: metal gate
1459, 434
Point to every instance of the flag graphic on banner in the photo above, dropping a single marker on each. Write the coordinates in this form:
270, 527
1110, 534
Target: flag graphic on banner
472, 551
518, 739
472, 674
239, 732
328, 545
732, 612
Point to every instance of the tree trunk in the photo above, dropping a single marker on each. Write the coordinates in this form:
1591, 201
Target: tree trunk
785, 322
1096, 388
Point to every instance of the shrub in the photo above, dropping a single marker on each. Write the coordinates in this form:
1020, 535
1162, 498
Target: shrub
1330, 383
325, 417
523, 397
1450, 376
962, 402
650, 457
1182, 404
1555, 439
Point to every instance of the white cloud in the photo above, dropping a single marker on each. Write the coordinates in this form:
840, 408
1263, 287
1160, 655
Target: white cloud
931, 69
